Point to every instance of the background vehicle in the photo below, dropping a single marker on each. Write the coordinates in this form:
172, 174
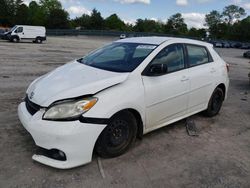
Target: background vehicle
246, 54
237, 45
123, 36
245, 46
24, 32
225, 44
218, 44
106, 99
1, 33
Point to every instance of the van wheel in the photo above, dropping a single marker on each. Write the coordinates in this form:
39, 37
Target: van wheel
38, 40
118, 136
14, 39
215, 103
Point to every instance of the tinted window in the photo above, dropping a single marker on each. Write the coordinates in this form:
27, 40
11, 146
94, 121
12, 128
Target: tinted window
118, 57
197, 55
172, 56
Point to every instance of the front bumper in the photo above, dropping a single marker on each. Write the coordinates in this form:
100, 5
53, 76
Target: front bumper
75, 139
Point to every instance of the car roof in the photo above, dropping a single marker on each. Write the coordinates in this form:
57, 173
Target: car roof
145, 40
159, 40
29, 26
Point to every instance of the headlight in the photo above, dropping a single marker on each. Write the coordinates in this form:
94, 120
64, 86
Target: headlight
69, 110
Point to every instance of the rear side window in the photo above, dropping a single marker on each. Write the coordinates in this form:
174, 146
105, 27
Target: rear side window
197, 55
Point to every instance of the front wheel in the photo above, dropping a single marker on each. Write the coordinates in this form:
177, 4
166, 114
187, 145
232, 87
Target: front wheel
118, 136
14, 39
215, 103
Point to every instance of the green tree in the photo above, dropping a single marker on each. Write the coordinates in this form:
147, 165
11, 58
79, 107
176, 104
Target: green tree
96, 20
36, 14
113, 22
213, 20
233, 13
176, 25
50, 5
22, 14
197, 33
240, 30
58, 19
148, 25
83, 22
7, 12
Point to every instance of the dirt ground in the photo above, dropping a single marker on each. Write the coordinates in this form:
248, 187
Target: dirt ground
168, 157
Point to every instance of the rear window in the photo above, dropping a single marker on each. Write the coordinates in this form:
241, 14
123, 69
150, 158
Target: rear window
197, 55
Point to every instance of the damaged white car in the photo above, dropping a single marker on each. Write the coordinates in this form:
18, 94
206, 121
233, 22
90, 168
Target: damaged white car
109, 97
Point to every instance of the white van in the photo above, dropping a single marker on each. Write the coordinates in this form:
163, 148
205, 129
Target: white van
25, 32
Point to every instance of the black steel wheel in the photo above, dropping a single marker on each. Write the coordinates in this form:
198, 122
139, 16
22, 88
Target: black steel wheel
118, 136
215, 102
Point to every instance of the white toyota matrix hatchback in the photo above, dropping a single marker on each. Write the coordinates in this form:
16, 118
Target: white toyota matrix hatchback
106, 99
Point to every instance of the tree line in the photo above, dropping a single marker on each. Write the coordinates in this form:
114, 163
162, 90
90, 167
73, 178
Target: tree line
227, 24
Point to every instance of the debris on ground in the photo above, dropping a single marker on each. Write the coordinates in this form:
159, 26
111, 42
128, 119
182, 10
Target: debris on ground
244, 98
101, 168
191, 127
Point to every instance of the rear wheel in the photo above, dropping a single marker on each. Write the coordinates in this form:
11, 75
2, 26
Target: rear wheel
39, 40
215, 102
118, 136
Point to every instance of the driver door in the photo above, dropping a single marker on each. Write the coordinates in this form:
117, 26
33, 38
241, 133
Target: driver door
166, 96
19, 32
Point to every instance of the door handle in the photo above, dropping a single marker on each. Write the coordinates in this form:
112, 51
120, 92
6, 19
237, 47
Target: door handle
184, 79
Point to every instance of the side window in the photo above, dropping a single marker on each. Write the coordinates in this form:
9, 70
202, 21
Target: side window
19, 30
172, 56
197, 55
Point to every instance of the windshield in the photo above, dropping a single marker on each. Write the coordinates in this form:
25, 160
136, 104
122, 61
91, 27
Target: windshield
118, 57
13, 28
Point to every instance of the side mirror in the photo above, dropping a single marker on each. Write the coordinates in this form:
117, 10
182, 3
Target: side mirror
157, 70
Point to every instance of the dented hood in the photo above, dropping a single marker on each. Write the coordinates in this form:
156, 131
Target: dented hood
71, 80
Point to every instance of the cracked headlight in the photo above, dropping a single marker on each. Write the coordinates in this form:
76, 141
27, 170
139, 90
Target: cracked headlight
69, 110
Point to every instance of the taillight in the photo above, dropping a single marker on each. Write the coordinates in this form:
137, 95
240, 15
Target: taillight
227, 65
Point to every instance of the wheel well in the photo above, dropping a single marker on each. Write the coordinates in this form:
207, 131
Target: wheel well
15, 36
139, 122
223, 87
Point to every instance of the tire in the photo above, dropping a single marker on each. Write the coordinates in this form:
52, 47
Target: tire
38, 40
118, 136
14, 39
215, 103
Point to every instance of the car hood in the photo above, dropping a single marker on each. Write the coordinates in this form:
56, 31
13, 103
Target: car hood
71, 80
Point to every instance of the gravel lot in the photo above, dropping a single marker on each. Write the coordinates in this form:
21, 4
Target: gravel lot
168, 157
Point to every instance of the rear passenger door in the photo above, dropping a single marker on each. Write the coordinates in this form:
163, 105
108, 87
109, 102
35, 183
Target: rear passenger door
201, 72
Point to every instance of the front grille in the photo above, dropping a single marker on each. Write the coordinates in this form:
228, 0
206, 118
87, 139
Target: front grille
31, 107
